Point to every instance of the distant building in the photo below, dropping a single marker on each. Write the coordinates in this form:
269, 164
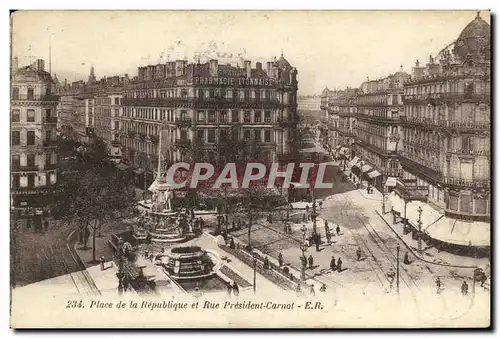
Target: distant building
34, 157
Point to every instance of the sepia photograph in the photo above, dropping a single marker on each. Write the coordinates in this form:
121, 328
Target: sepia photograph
250, 169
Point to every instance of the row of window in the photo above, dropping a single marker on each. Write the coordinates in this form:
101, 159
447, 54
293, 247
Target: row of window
29, 94
449, 87
28, 181
31, 160
29, 116
30, 137
224, 135
204, 93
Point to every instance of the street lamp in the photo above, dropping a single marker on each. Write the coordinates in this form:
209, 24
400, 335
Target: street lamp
383, 197
419, 210
397, 268
314, 214
303, 247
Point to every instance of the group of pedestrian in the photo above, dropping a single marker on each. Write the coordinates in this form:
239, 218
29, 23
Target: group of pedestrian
336, 266
232, 289
123, 282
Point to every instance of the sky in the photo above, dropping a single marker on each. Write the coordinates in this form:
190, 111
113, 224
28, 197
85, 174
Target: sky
331, 49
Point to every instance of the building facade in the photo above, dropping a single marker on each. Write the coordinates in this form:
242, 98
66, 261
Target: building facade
206, 111
342, 109
379, 107
34, 157
446, 126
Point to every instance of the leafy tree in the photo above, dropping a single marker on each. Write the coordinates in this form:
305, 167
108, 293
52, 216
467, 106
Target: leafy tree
91, 197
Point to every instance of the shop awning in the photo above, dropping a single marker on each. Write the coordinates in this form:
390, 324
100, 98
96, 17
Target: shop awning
391, 181
358, 164
139, 171
337, 147
313, 150
373, 174
343, 150
122, 166
115, 160
354, 161
429, 214
457, 232
366, 168
396, 203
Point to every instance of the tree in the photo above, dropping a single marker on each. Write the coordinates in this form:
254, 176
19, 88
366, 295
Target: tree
91, 197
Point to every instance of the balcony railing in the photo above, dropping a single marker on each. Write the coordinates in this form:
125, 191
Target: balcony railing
421, 161
25, 168
469, 152
49, 120
116, 143
221, 102
447, 124
390, 172
421, 143
434, 98
375, 118
49, 143
475, 183
183, 122
50, 98
182, 142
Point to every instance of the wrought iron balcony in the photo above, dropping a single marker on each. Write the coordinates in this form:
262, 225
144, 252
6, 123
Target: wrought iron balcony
44, 98
470, 183
182, 142
49, 120
25, 168
447, 124
183, 122
436, 98
469, 152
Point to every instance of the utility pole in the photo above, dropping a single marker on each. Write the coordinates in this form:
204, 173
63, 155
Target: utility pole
397, 269
254, 274
383, 198
419, 230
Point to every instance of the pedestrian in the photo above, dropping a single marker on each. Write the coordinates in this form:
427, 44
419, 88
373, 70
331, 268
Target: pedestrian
320, 205
46, 225
327, 228
280, 259
103, 260
406, 259
304, 261
328, 237
358, 254
465, 288
146, 254
438, 283
125, 283
333, 266
266, 263
289, 228
236, 289
307, 208
311, 261
229, 289
311, 290
304, 218
339, 265
285, 228
298, 291
338, 230
323, 288
390, 277
317, 240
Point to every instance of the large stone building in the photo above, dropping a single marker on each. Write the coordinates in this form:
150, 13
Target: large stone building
206, 110
379, 106
426, 137
446, 134
34, 158
342, 116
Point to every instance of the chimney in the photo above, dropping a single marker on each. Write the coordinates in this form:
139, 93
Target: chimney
170, 69
213, 67
248, 68
179, 68
40, 65
268, 68
151, 72
15, 64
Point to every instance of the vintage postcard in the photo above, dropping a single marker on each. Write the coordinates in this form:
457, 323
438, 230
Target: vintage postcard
250, 169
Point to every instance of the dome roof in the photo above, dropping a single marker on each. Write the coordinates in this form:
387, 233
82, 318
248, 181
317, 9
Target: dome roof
474, 39
283, 64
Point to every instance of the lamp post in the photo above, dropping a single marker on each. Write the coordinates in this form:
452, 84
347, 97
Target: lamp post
303, 247
419, 210
383, 197
397, 269
314, 215
254, 274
